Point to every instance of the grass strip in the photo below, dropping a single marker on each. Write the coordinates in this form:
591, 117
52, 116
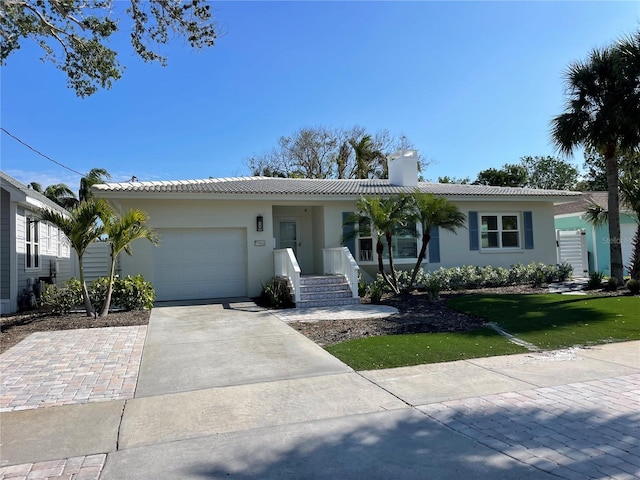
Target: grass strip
557, 321
391, 351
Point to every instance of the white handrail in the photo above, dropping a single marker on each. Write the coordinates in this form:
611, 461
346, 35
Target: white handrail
285, 265
339, 261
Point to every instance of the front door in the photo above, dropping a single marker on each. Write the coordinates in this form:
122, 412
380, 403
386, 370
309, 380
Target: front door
289, 236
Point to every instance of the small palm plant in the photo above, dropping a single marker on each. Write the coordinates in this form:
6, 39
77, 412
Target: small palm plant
429, 211
81, 227
122, 231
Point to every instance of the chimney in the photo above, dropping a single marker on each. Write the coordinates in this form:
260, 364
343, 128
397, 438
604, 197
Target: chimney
403, 168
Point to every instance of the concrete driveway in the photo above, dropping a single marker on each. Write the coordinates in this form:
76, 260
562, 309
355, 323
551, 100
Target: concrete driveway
229, 390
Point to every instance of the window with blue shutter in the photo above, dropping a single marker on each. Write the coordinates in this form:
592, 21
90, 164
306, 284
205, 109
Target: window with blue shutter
473, 231
528, 230
434, 245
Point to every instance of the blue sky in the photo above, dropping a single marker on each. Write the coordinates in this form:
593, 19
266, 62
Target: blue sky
472, 84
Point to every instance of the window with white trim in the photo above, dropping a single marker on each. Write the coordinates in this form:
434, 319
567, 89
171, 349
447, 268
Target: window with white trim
32, 244
500, 231
365, 240
404, 242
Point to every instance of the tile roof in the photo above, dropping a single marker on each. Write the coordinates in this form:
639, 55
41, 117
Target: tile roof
30, 192
584, 202
328, 187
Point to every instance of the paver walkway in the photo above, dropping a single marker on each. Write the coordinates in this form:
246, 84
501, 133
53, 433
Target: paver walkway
584, 430
71, 366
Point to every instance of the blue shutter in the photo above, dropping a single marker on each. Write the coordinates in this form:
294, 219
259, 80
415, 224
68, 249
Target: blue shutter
434, 245
528, 230
473, 231
348, 229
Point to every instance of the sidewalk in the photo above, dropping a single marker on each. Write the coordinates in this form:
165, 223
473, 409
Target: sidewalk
230, 390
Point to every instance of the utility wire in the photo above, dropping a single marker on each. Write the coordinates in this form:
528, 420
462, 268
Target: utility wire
40, 153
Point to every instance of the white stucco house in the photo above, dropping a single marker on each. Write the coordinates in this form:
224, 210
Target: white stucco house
226, 237
30, 251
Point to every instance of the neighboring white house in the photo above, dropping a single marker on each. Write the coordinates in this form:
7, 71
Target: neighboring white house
30, 251
217, 236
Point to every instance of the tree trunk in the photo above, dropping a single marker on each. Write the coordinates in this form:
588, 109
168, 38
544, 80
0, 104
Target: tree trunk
615, 247
107, 300
394, 279
426, 237
85, 293
379, 251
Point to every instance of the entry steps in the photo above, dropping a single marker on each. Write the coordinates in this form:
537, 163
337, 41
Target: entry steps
325, 291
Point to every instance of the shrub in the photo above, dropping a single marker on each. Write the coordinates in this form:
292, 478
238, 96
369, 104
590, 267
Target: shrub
275, 294
564, 271
612, 284
133, 293
98, 292
595, 280
63, 299
633, 286
377, 288
362, 287
433, 286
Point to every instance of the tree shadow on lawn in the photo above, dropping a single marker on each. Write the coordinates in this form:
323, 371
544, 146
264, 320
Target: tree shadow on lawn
519, 441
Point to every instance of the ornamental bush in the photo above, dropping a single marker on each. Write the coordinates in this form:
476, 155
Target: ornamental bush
129, 293
63, 299
133, 293
469, 277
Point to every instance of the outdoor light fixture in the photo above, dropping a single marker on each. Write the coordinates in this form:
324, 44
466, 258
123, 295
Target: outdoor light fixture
259, 223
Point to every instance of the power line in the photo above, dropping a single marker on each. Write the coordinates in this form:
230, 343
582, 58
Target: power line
41, 154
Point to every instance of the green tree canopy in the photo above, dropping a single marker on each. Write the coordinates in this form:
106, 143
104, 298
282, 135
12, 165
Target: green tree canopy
74, 35
549, 173
510, 175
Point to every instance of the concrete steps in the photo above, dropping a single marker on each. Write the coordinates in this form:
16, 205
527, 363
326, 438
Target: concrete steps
325, 291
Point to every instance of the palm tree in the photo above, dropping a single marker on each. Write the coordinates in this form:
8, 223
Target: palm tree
630, 194
603, 112
36, 187
430, 211
122, 231
384, 215
61, 194
81, 227
366, 155
95, 175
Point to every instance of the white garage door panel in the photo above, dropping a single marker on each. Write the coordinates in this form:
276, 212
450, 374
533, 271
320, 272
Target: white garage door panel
200, 263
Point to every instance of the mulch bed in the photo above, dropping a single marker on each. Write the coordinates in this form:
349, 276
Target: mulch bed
416, 314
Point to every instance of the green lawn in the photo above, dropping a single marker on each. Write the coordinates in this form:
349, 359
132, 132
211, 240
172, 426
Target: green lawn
556, 321
548, 321
402, 350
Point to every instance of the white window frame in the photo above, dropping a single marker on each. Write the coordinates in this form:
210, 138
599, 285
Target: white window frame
500, 231
365, 257
32, 253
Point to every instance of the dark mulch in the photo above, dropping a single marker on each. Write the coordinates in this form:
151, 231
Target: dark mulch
14, 328
416, 314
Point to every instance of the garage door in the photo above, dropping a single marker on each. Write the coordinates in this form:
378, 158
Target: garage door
200, 263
